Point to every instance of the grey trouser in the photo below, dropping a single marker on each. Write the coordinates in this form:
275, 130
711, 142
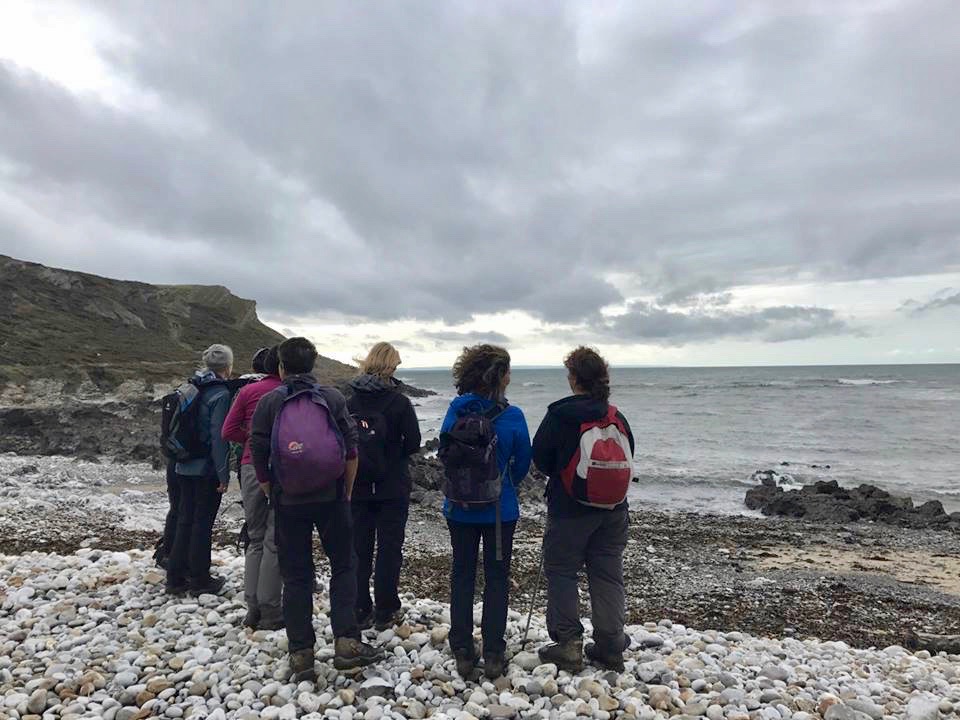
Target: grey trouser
595, 540
262, 571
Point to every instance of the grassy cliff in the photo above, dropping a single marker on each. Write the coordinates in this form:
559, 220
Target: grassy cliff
73, 327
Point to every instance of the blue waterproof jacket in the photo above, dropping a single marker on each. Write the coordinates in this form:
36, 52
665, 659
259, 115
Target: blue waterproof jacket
513, 449
214, 403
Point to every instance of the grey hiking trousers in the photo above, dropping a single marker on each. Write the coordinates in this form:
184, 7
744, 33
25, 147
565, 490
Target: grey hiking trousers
261, 580
595, 540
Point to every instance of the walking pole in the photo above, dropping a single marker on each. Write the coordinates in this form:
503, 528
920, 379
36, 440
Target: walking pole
533, 600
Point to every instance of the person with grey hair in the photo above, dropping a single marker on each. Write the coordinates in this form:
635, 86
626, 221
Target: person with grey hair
202, 480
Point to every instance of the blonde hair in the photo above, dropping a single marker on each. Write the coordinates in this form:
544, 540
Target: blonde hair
382, 360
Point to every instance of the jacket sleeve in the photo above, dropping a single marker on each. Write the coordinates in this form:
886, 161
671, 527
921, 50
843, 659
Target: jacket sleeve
261, 428
410, 427
220, 448
346, 423
233, 429
521, 449
545, 446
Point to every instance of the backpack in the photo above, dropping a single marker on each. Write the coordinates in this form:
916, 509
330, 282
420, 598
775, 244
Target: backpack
372, 433
179, 432
601, 468
307, 451
468, 452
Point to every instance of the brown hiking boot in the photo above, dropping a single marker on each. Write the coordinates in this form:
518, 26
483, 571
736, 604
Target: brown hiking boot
302, 665
607, 662
566, 655
352, 653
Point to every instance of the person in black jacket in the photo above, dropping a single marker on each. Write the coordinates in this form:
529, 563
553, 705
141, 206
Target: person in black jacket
297, 515
581, 535
389, 434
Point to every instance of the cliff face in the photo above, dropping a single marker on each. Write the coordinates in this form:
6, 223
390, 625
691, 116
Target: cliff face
92, 334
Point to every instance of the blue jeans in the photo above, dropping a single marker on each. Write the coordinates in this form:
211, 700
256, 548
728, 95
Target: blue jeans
465, 539
295, 525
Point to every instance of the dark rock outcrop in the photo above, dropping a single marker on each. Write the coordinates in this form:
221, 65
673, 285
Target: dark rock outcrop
827, 501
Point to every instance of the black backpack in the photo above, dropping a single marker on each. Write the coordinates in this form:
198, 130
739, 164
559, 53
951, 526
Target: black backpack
468, 452
179, 432
372, 433
471, 473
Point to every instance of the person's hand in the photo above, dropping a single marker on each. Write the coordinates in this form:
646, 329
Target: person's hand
222, 488
265, 489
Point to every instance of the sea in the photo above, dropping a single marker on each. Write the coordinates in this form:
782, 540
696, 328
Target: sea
701, 433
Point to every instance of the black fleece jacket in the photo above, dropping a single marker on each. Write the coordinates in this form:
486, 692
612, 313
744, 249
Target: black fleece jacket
555, 443
372, 394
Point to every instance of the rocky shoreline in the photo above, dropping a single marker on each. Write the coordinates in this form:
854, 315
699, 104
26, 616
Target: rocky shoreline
860, 583
829, 502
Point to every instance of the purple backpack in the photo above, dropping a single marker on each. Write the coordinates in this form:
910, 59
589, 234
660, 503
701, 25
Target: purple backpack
307, 449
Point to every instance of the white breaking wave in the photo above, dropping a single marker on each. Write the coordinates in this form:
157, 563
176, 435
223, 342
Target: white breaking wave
865, 381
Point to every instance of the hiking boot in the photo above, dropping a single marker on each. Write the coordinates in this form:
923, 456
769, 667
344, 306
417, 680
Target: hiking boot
466, 662
252, 618
302, 666
271, 624
607, 662
364, 619
493, 664
212, 586
177, 589
565, 655
352, 653
385, 622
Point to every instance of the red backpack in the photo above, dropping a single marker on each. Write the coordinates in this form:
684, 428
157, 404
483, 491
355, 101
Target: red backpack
600, 470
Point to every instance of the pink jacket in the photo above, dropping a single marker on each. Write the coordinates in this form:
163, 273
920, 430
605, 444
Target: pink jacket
236, 428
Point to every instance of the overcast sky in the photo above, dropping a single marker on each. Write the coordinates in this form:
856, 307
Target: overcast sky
677, 183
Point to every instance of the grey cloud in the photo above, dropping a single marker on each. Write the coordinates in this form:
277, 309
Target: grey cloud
465, 338
943, 299
646, 322
442, 160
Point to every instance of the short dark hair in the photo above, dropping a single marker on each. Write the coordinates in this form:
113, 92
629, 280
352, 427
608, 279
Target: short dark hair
297, 355
258, 360
590, 371
271, 362
480, 369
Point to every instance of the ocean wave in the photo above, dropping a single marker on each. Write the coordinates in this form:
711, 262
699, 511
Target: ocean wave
865, 381
532, 384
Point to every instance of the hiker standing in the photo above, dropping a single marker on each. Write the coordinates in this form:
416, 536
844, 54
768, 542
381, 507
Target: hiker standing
304, 448
388, 433
585, 446
485, 449
202, 475
261, 577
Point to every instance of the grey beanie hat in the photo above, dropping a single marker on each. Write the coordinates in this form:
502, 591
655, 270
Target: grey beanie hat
218, 357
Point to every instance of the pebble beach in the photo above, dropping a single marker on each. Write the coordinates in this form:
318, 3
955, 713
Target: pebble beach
86, 630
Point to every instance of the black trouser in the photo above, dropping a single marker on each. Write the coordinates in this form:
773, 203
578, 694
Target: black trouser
595, 540
197, 509
173, 498
465, 539
380, 523
295, 524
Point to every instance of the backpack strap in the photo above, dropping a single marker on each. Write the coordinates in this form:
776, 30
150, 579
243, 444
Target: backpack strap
496, 411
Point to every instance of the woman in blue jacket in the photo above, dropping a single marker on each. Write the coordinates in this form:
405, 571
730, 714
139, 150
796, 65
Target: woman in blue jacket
481, 375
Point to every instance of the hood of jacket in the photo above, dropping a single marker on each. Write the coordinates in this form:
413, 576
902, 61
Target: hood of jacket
367, 383
300, 382
471, 402
577, 409
206, 377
